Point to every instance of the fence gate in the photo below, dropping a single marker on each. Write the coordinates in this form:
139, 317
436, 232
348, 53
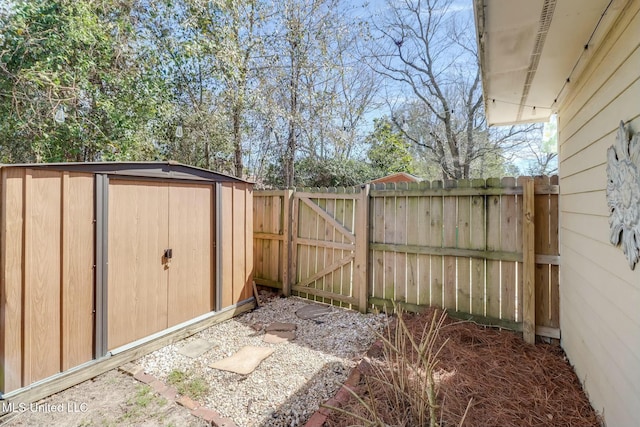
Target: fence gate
329, 247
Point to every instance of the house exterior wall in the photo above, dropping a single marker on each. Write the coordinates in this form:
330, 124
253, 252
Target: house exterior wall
599, 293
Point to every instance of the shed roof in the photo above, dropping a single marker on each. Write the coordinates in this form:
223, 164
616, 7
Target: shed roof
530, 50
164, 170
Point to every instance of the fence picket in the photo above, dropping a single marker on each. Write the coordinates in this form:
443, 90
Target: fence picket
554, 249
339, 253
423, 232
450, 222
258, 244
478, 240
520, 266
542, 246
273, 246
464, 240
307, 223
348, 220
400, 237
492, 288
377, 236
508, 230
329, 234
413, 225
435, 239
389, 237
321, 254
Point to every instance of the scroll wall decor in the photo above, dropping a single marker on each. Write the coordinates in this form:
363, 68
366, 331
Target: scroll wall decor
623, 193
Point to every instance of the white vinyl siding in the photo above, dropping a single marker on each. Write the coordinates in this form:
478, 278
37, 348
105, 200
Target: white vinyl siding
599, 293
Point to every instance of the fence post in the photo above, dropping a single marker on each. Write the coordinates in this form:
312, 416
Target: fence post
528, 262
287, 219
360, 278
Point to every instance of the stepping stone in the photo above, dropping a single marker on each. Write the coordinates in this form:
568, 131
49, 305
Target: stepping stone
196, 348
277, 337
257, 326
312, 311
278, 326
244, 361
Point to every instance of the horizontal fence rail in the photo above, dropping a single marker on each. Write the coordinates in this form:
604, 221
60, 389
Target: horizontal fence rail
482, 249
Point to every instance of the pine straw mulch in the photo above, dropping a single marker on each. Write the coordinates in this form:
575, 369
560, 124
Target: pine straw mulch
511, 383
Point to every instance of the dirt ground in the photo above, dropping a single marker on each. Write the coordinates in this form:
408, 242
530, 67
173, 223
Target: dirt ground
484, 376
111, 399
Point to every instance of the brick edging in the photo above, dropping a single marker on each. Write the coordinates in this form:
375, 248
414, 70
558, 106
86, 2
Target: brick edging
341, 397
170, 393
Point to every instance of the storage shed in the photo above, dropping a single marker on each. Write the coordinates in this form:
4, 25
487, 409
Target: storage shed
97, 258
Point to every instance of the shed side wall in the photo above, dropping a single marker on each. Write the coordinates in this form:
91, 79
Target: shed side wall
237, 247
11, 278
600, 294
47, 273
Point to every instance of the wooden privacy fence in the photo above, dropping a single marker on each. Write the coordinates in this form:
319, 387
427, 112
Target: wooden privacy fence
482, 249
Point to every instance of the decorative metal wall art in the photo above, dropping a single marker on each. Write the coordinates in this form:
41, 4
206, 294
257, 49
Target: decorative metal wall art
623, 193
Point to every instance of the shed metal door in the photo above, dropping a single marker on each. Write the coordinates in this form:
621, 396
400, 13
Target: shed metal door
191, 238
146, 291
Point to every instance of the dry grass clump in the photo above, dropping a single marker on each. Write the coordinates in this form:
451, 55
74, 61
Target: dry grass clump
430, 370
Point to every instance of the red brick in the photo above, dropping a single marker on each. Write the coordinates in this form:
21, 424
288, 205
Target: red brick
158, 386
342, 396
213, 417
354, 378
316, 420
145, 378
188, 403
169, 393
334, 402
205, 413
224, 422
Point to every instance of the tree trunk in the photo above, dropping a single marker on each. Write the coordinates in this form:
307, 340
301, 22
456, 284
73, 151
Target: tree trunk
237, 139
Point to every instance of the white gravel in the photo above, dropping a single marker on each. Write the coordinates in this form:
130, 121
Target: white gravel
288, 386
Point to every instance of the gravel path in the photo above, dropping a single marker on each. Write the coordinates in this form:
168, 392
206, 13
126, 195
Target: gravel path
288, 386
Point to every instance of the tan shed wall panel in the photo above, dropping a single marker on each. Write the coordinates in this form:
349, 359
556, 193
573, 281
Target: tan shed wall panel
237, 246
47, 264
11, 284
77, 269
191, 237
226, 247
137, 290
42, 275
600, 294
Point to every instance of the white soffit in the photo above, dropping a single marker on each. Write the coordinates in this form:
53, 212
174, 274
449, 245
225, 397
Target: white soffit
529, 48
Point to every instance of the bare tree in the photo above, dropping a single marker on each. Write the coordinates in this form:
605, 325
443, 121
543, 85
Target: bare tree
425, 46
322, 90
542, 157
